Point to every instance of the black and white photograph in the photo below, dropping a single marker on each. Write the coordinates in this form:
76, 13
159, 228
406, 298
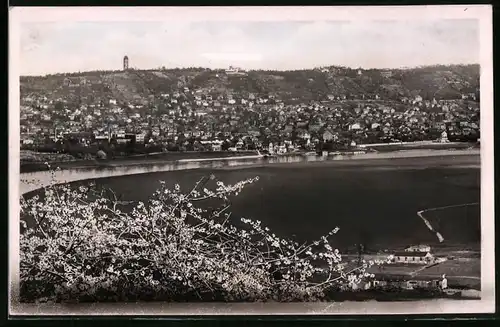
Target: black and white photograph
251, 160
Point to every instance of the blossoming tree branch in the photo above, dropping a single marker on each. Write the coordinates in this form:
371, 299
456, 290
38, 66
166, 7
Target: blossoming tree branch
84, 244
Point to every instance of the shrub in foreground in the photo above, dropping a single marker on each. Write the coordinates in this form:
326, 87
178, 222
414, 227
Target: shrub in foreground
82, 245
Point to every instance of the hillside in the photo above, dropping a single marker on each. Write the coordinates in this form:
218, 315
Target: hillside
441, 82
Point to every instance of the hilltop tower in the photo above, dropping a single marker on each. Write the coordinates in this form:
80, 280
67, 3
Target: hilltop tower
125, 63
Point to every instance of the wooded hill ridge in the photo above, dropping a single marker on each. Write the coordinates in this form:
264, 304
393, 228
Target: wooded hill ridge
325, 83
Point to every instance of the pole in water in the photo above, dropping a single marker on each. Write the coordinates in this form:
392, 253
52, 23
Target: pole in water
428, 224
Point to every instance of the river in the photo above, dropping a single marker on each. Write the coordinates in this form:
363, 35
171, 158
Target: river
374, 198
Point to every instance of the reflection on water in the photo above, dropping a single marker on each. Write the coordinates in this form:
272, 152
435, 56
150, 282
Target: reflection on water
34, 180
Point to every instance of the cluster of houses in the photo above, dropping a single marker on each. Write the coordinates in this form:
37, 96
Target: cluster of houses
388, 282
213, 117
418, 255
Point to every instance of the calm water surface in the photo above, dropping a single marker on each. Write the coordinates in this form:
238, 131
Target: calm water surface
374, 202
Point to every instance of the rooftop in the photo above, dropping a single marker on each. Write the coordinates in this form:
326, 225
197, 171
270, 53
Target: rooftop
411, 254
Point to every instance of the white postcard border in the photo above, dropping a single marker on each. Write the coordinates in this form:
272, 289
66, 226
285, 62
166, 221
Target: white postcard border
72, 14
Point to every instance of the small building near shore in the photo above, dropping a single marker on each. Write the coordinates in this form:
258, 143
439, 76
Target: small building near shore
217, 145
418, 248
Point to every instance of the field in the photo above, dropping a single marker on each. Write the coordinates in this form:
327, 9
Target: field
395, 269
452, 268
459, 274
455, 268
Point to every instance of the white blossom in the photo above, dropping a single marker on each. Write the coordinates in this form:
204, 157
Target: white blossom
155, 247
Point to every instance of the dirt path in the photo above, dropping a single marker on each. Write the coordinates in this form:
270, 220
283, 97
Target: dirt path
415, 272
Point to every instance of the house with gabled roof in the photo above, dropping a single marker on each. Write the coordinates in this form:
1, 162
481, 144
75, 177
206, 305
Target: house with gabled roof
328, 135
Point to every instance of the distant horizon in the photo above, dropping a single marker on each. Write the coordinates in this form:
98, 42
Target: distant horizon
252, 70
56, 47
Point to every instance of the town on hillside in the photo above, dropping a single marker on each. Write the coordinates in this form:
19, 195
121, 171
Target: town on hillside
196, 109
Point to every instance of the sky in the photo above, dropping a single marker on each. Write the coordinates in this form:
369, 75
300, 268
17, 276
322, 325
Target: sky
58, 47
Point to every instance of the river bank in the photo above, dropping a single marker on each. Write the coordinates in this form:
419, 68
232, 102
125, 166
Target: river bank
30, 181
152, 158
